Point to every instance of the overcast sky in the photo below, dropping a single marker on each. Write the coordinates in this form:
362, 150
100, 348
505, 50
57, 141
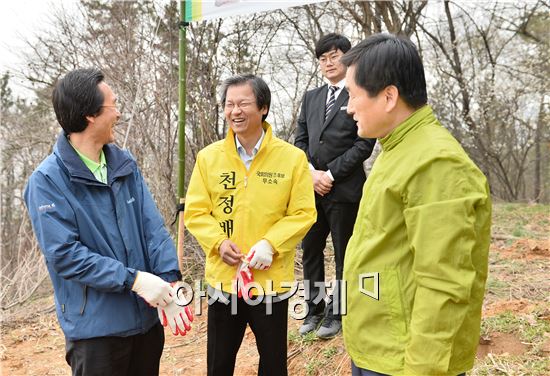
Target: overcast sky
19, 20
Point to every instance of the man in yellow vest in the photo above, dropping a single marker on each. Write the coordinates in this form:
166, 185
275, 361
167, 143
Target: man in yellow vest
248, 204
420, 244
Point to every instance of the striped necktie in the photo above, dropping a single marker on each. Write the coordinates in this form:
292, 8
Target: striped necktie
331, 100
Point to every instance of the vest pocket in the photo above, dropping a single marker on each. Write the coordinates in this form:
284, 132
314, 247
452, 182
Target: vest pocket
84, 300
75, 298
391, 295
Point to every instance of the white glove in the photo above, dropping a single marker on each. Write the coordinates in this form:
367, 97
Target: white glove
154, 290
177, 315
260, 255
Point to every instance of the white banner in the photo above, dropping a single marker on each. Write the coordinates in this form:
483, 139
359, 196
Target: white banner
196, 10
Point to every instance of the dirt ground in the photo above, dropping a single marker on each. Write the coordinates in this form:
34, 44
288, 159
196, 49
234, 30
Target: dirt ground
515, 329
36, 346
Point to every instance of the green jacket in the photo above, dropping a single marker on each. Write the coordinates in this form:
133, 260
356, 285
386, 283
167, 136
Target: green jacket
423, 232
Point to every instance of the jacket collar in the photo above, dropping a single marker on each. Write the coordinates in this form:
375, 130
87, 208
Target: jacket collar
119, 163
424, 115
229, 142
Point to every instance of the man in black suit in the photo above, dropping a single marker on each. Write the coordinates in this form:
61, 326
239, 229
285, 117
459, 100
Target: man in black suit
328, 135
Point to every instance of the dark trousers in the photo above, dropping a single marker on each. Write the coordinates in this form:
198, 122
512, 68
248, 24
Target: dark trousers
226, 332
117, 356
338, 219
356, 371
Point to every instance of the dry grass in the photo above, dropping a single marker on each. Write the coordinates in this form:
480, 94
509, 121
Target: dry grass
515, 327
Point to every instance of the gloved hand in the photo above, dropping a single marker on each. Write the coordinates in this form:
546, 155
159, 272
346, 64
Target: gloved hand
154, 290
177, 314
243, 278
261, 255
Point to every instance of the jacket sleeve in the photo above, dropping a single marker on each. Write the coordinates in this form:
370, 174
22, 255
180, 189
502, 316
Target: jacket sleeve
300, 213
198, 212
443, 228
345, 164
56, 230
161, 251
302, 137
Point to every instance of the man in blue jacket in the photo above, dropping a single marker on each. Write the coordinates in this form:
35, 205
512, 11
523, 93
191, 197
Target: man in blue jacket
109, 255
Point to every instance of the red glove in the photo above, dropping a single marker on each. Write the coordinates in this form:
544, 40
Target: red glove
177, 315
243, 278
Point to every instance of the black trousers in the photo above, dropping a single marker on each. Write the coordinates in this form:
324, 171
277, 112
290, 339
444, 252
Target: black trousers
338, 219
117, 356
226, 332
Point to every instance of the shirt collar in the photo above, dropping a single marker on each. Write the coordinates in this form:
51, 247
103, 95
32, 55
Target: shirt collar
341, 84
241, 148
92, 165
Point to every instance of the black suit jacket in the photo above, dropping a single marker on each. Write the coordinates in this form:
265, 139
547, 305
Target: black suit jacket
333, 144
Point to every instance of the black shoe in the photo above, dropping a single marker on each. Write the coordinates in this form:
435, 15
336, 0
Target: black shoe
330, 328
310, 324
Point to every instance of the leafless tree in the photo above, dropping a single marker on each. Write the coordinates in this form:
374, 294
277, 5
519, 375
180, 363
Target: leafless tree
486, 64
481, 88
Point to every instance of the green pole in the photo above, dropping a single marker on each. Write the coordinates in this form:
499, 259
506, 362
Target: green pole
181, 117
181, 136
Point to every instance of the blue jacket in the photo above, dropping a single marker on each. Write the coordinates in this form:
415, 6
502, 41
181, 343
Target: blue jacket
95, 237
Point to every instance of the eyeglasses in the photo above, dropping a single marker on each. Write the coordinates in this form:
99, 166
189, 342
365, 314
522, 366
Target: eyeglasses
243, 105
332, 58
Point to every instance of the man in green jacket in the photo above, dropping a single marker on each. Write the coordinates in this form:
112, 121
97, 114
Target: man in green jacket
416, 264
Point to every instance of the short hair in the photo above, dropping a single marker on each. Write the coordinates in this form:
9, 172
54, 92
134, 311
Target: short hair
76, 96
386, 59
331, 42
259, 87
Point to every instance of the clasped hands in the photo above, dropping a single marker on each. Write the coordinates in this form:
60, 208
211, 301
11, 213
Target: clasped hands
322, 183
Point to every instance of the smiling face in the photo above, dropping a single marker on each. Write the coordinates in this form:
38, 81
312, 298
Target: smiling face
369, 112
330, 66
241, 111
103, 124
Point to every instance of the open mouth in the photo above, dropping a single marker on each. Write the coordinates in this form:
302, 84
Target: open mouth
238, 121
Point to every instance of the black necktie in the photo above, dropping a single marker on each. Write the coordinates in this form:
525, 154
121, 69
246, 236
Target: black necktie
331, 100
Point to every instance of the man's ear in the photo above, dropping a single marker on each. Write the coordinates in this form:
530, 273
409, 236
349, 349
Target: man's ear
391, 95
91, 119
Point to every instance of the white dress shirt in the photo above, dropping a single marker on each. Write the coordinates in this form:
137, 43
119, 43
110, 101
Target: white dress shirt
247, 159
